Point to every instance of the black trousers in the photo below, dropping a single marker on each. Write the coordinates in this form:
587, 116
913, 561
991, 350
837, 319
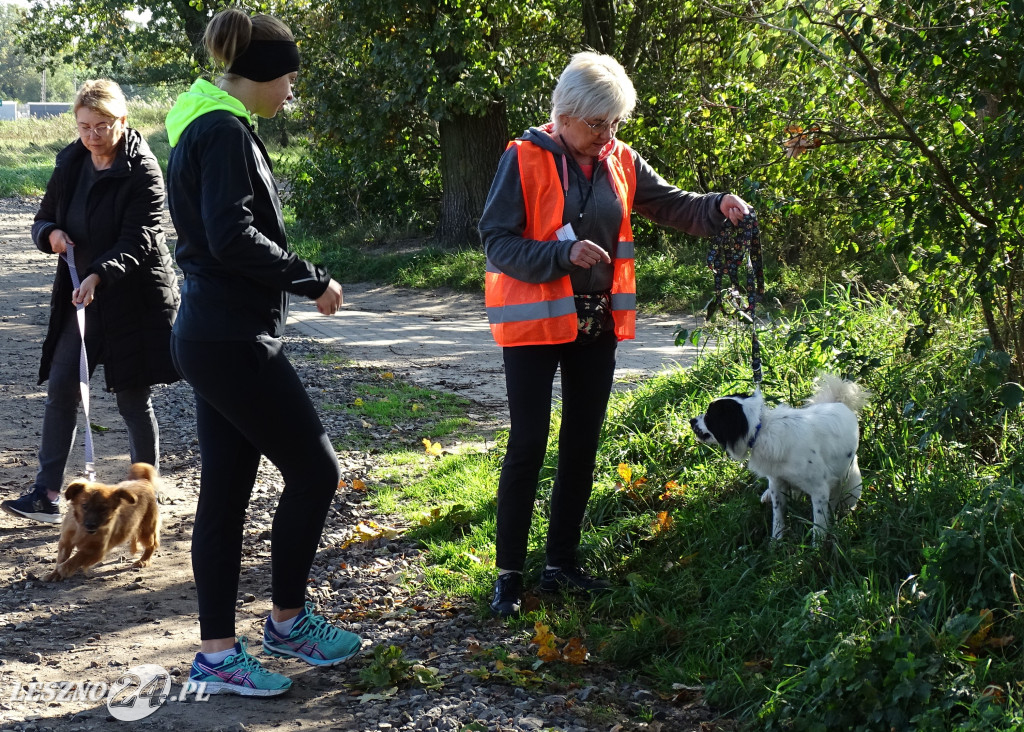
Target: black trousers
587, 372
250, 402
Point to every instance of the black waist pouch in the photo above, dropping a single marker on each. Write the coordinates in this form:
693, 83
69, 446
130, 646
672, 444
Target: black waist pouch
593, 315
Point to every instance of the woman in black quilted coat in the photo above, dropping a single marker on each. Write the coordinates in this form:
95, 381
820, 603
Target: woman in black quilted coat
102, 207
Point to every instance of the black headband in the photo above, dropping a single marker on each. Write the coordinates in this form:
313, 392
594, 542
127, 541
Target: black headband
266, 60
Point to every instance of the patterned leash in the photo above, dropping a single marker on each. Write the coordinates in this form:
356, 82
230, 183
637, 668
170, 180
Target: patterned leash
83, 366
732, 246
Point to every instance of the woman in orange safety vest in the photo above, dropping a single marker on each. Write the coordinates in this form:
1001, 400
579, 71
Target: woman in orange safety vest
561, 294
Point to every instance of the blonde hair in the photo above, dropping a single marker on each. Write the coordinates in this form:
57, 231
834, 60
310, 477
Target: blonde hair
230, 31
102, 96
593, 85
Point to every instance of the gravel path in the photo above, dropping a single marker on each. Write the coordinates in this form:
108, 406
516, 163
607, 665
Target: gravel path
91, 630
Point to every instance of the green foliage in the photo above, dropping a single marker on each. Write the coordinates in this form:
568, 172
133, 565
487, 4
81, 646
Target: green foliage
389, 667
20, 77
383, 82
143, 43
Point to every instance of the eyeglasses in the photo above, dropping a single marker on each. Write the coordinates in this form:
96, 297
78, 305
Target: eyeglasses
100, 129
600, 127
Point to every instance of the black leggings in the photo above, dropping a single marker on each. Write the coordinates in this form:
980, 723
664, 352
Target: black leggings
250, 402
587, 372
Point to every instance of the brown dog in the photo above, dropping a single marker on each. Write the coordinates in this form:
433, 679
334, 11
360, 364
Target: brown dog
99, 517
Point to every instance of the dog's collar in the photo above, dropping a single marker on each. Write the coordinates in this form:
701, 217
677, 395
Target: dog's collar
757, 431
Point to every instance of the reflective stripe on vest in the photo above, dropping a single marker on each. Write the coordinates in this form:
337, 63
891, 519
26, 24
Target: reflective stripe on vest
522, 313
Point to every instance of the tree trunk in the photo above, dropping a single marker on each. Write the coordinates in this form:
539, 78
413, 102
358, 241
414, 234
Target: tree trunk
599, 25
471, 145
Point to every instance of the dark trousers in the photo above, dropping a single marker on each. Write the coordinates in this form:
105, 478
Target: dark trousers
587, 371
64, 395
250, 402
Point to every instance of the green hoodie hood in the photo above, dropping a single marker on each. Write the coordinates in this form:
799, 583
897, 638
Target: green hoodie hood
203, 97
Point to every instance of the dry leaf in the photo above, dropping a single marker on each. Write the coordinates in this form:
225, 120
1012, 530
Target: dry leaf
358, 485
574, 652
799, 141
663, 522
543, 635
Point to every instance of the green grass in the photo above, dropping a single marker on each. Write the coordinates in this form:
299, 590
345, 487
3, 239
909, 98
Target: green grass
887, 618
28, 146
386, 405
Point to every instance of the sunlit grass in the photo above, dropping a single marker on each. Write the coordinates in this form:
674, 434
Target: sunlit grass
703, 597
28, 146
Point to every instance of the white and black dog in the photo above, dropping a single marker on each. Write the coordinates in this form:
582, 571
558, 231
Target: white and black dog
813, 448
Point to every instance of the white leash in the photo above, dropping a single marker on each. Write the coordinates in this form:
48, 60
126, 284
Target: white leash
83, 366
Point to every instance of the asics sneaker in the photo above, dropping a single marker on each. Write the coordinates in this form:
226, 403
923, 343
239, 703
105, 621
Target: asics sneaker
312, 639
239, 673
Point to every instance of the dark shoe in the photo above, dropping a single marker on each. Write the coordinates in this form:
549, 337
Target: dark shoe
508, 594
33, 505
571, 579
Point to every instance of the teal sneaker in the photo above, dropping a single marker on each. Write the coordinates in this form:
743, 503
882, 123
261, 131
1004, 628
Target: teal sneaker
312, 639
239, 673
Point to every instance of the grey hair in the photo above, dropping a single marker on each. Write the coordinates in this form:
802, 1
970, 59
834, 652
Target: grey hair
593, 86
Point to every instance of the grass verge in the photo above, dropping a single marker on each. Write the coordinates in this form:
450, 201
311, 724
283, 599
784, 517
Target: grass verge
907, 618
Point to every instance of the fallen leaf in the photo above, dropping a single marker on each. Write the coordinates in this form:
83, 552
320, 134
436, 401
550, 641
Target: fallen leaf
663, 522
574, 652
386, 694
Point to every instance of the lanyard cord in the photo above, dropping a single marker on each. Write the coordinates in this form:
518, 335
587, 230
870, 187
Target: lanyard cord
83, 366
565, 182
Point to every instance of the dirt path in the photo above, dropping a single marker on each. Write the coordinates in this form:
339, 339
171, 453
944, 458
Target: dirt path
62, 645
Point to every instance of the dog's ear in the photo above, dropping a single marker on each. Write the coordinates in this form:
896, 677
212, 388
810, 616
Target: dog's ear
726, 420
124, 495
75, 489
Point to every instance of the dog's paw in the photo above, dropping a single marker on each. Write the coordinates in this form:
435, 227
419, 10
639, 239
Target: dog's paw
140, 563
766, 497
54, 576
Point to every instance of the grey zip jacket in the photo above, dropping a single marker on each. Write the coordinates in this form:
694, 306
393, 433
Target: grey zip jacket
593, 209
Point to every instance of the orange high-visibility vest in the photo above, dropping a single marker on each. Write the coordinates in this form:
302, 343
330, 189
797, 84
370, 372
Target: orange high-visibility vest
528, 314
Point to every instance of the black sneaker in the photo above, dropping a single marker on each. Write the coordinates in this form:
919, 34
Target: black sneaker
33, 505
571, 579
508, 594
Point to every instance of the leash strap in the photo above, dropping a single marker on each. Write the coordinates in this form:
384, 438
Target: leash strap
83, 367
732, 246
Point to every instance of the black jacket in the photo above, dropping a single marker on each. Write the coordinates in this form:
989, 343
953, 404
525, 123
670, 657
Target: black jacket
137, 297
231, 238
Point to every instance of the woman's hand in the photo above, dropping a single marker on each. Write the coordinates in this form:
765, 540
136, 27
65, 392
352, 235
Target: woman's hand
331, 300
60, 241
586, 254
86, 291
734, 208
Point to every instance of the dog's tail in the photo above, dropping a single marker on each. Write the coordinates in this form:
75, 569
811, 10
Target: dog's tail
831, 388
143, 471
